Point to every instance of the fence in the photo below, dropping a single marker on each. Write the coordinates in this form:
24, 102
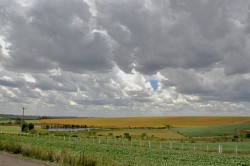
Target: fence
225, 148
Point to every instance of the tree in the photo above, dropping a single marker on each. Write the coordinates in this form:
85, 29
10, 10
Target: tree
25, 127
143, 135
127, 136
31, 126
18, 120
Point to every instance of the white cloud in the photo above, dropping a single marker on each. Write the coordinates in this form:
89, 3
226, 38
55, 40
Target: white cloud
96, 58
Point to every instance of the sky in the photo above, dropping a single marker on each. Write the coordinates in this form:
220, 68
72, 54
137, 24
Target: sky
110, 58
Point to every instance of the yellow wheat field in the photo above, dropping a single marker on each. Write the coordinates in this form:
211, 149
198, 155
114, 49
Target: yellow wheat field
125, 122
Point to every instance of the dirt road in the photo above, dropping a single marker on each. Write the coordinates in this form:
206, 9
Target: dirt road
9, 160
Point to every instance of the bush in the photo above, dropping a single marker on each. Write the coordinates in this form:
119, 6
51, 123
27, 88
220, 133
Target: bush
18, 120
25, 127
31, 126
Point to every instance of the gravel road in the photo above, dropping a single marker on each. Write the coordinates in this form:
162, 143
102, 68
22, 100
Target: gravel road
9, 160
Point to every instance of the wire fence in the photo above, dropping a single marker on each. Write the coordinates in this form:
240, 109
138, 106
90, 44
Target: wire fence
237, 148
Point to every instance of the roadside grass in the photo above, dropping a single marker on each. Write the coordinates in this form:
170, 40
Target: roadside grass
207, 131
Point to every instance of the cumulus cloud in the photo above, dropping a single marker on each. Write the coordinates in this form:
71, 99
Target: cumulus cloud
99, 57
54, 35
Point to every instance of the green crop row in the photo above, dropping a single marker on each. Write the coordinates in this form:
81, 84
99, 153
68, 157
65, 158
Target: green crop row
114, 154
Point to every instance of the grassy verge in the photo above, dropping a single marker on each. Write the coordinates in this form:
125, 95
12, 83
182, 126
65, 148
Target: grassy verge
63, 157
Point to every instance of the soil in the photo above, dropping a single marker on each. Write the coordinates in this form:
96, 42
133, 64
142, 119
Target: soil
13, 160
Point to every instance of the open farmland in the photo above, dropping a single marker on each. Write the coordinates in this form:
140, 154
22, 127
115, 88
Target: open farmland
149, 121
218, 130
111, 153
149, 133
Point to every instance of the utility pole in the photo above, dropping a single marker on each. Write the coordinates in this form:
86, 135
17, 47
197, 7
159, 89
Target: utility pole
22, 118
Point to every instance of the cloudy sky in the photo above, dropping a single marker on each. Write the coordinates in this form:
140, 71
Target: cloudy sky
125, 58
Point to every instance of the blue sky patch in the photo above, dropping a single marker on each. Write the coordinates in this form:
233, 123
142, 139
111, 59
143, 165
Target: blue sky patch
154, 84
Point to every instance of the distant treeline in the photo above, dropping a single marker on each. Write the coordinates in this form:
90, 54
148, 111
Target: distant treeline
62, 126
31, 117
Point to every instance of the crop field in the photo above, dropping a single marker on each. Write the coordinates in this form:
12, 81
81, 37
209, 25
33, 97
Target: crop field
13, 121
207, 131
150, 121
114, 153
157, 133
9, 128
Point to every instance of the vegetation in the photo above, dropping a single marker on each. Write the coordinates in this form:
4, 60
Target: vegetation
10, 128
149, 122
208, 131
134, 141
64, 157
159, 134
114, 153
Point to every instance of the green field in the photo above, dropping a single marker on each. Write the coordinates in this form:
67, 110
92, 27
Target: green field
10, 128
160, 146
119, 155
13, 121
208, 131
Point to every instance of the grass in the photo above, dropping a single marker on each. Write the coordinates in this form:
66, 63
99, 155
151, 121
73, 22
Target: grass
150, 133
13, 121
118, 155
10, 128
62, 157
207, 131
155, 122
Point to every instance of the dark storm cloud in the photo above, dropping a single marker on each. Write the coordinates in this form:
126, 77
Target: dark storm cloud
175, 34
209, 86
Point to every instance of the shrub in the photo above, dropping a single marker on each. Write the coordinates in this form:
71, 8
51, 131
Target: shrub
25, 127
31, 126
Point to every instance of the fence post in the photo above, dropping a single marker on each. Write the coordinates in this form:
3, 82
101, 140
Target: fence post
99, 141
149, 144
236, 150
194, 147
160, 144
220, 149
